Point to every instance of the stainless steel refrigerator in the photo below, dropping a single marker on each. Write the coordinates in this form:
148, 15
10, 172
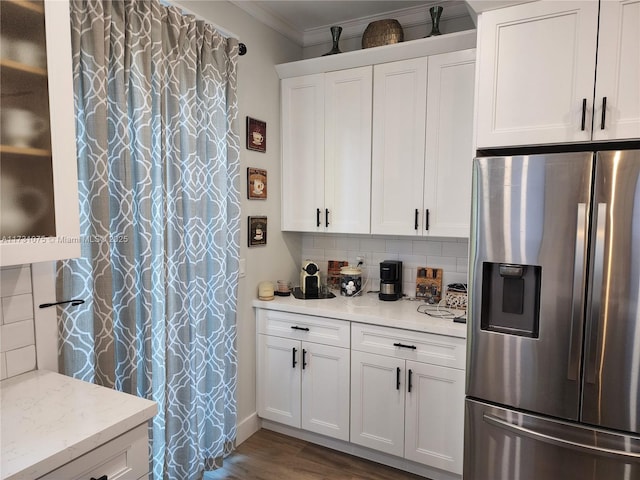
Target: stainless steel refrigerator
553, 366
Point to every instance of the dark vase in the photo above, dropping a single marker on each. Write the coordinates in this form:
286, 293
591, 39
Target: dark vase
335, 36
435, 12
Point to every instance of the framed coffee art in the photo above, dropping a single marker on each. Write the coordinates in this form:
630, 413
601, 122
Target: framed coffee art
256, 135
256, 184
257, 228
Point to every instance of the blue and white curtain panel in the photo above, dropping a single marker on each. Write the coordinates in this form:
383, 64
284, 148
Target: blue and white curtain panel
158, 167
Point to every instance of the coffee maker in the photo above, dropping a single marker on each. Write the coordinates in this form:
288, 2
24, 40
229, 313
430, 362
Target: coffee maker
390, 280
310, 279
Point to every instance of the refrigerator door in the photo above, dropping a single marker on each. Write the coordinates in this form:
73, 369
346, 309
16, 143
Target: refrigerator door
503, 444
528, 268
611, 393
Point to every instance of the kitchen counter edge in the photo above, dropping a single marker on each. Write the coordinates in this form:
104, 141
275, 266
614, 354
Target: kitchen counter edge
369, 310
49, 419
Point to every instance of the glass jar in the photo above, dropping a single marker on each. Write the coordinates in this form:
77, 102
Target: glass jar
350, 281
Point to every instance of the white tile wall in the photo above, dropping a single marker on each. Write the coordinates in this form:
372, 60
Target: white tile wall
17, 335
450, 254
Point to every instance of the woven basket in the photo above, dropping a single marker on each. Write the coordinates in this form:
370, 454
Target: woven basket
382, 32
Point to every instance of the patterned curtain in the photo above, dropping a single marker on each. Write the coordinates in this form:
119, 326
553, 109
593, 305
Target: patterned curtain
158, 167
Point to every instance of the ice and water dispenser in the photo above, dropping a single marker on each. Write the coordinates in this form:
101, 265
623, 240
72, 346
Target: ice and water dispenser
511, 298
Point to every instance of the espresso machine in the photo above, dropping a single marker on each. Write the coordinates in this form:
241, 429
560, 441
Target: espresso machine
310, 279
390, 280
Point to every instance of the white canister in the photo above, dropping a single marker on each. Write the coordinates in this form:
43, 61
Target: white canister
350, 281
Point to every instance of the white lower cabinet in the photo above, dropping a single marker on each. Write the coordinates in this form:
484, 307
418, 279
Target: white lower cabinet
397, 391
377, 402
405, 407
301, 383
123, 458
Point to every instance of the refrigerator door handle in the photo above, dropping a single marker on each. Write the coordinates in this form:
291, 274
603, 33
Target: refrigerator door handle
596, 295
575, 339
561, 442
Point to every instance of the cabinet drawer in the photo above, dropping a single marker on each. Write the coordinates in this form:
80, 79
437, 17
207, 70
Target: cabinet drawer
327, 331
123, 458
417, 346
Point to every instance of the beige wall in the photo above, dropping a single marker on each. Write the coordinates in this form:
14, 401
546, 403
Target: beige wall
258, 97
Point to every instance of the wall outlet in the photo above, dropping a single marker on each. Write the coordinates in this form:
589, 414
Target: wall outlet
361, 258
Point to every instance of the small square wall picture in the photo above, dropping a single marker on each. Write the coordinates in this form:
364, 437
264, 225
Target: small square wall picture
257, 231
256, 135
256, 184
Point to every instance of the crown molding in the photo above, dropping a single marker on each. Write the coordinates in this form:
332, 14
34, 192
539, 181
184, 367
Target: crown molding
408, 17
276, 22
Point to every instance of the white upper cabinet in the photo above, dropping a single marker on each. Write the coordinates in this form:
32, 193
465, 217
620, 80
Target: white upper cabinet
39, 210
617, 100
347, 156
449, 144
399, 109
384, 147
423, 145
326, 151
537, 63
302, 152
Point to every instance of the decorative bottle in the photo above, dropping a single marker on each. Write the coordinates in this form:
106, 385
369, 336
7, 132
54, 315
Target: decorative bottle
335, 36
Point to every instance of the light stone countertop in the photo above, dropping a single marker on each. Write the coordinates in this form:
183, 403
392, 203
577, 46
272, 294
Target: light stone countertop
369, 309
48, 419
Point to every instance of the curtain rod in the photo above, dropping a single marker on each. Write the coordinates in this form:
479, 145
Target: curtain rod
241, 46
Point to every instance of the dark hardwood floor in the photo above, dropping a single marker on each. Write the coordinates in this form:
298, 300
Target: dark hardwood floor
271, 456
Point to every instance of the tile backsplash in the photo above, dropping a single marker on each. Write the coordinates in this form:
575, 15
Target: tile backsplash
17, 333
449, 254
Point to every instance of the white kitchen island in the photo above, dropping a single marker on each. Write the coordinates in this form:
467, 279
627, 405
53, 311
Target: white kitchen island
57, 425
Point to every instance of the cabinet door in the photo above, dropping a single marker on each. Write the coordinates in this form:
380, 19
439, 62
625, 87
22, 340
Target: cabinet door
377, 402
397, 176
325, 390
449, 144
302, 152
347, 161
39, 210
124, 458
617, 102
279, 379
537, 62
435, 416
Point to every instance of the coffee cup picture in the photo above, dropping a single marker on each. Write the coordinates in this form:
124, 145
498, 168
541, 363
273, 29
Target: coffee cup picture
257, 231
256, 135
256, 183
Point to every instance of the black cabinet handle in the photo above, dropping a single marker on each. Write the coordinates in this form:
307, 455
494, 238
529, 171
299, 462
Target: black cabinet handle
584, 113
402, 345
415, 220
604, 112
293, 351
317, 217
304, 358
295, 327
398, 378
103, 477
426, 219
326, 217
409, 384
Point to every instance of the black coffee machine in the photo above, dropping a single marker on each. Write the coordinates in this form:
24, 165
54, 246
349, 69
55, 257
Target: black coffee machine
390, 280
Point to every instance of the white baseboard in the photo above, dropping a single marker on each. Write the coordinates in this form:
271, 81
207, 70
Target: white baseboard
247, 427
362, 452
